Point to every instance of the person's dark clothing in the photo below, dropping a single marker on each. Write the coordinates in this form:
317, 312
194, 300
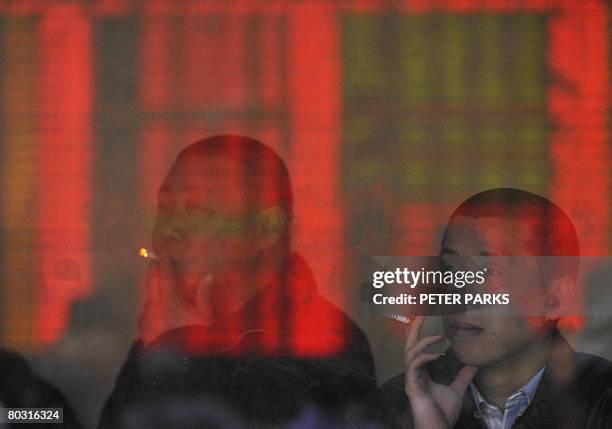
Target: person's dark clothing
317, 356
21, 388
575, 392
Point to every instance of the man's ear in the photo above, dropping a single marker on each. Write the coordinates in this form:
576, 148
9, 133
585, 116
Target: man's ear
271, 224
560, 298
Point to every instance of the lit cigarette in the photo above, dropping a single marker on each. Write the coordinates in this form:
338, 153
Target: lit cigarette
147, 254
402, 319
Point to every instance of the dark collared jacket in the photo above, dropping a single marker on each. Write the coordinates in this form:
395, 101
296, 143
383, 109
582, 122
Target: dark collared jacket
322, 358
575, 393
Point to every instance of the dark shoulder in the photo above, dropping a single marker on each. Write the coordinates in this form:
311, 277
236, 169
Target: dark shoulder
387, 405
14, 370
592, 375
579, 391
593, 365
20, 387
13, 361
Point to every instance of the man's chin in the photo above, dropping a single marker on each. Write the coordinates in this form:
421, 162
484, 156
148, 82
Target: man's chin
472, 354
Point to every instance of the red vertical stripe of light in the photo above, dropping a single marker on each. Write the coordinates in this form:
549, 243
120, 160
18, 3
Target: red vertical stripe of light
578, 102
65, 160
315, 96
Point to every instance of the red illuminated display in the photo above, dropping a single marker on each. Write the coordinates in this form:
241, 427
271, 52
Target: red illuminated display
186, 68
64, 166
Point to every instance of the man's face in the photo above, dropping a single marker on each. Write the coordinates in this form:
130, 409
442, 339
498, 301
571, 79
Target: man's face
204, 222
483, 337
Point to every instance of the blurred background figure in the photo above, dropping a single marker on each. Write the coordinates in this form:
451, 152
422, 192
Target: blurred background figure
230, 311
21, 388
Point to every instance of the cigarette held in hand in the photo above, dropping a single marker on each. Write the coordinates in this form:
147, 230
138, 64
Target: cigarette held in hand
147, 254
402, 319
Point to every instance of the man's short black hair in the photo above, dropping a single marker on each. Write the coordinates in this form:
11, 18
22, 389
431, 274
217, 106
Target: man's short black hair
554, 233
266, 178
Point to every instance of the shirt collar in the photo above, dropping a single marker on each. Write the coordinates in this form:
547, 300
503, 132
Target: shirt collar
527, 391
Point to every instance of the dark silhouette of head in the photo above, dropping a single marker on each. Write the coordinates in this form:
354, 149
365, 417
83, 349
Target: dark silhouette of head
225, 210
552, 231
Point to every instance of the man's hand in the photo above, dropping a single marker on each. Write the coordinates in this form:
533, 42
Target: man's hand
433, 405
165, 308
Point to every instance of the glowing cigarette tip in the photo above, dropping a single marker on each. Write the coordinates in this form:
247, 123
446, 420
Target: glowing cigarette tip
146, 254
